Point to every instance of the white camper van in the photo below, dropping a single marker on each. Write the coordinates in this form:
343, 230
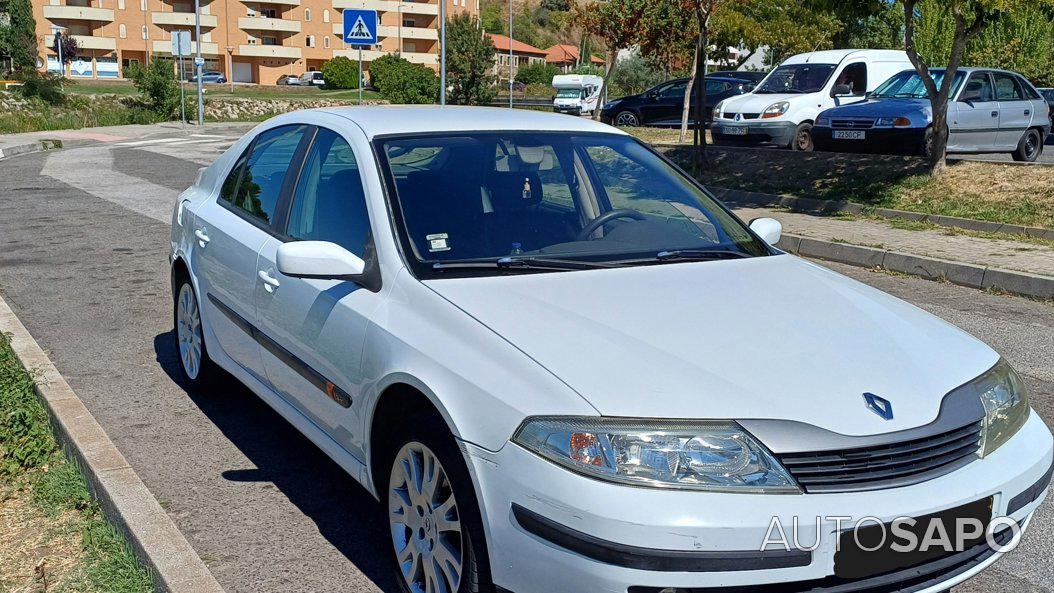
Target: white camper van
576, 93
781, 109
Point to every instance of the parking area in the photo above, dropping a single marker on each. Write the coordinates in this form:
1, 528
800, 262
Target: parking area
84, 234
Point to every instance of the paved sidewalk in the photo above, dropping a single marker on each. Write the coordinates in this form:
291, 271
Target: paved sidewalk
1011, 255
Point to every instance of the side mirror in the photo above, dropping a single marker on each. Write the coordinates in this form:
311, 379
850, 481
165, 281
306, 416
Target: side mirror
841, 90
769, 229
318, 259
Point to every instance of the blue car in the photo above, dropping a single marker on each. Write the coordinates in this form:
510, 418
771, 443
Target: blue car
988, 111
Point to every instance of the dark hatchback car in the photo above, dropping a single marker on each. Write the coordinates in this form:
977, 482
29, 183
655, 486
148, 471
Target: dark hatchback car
663, 104
1048, 94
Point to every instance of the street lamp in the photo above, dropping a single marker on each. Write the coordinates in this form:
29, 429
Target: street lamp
510, 54
442, 51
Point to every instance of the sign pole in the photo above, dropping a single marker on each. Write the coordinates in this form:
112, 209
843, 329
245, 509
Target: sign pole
198, 60
182, 93
442, 52
510, 54
360, 75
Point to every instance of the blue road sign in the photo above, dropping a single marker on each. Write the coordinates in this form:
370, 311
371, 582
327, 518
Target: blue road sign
360, 26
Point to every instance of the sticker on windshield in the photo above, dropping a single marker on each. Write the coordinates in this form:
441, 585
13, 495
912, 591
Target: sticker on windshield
438, 242
526, 188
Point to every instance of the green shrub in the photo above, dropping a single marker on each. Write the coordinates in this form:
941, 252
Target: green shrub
157, 83
46, 87
539, 73
400, 81
470, 55
26, 441
341, 73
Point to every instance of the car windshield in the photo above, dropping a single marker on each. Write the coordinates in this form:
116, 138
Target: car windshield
797, 78
569, 94
908, 85
592, 198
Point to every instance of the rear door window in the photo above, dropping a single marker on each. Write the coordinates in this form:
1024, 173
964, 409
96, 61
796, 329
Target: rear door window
1007, 87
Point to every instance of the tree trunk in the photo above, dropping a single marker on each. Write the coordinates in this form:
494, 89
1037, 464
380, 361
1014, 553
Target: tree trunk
688, 94
700, 158
611, 55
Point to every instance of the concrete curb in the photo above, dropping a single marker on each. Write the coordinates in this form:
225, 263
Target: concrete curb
970, 275
122, 495
812, 205
28, 147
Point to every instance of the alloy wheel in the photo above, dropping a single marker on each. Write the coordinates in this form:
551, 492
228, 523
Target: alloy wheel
424, 521
626, 119
188, 331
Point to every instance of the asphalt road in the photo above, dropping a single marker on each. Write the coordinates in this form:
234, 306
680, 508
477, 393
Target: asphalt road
83, 246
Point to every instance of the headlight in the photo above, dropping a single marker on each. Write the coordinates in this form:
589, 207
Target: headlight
889, 122
712, 456
612, 104
717, 110
823, 120
1005, 405
775, 110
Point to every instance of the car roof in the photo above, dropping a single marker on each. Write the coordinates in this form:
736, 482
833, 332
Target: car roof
835, 56
378, 120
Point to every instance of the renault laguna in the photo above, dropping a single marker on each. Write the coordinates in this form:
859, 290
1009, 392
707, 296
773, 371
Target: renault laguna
562, 366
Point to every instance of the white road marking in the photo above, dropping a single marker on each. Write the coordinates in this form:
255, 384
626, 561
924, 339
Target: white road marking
91, 170
146, 142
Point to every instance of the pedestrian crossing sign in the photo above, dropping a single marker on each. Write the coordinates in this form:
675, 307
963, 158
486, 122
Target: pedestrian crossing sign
360, 26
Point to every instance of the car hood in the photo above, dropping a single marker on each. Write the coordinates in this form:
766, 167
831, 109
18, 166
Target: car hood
882, 108
756, 103
762, 338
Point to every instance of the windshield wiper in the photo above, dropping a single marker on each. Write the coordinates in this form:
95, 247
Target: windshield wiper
689, 254
522, 263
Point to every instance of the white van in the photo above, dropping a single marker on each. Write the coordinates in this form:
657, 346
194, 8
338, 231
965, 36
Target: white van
782, 108
576, 93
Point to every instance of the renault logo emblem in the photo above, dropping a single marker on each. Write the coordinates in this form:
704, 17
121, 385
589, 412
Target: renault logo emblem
739, 116
878, 405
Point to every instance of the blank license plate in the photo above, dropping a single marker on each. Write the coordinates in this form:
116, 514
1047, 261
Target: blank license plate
734, 131
848, 134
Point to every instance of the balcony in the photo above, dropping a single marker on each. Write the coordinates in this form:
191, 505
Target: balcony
259, 23
182, 19
164, 46
384, 31
270, 51
369, 55
87, 42
389, 6
78, 13
282, 2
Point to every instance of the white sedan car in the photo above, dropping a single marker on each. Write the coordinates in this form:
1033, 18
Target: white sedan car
562, 366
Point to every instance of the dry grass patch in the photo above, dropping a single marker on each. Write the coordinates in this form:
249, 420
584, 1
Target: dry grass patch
38, 553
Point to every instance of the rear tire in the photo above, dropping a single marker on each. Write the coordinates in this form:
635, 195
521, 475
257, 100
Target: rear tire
802, 141
627, 119
195, 366
1029, 147
432, 512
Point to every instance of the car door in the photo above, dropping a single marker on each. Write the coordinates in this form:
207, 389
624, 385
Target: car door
665, 107
973, 120
1015, 110
313, 330
230, 232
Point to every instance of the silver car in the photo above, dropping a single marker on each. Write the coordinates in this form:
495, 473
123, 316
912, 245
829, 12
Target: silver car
989, 111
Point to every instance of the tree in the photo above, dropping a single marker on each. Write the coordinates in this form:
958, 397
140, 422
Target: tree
156, 81
969, 19
785, 27
616, 23
470, 55
539, 73
492, 18
400, 81
634, 75
18, 39
341, 73
70, 49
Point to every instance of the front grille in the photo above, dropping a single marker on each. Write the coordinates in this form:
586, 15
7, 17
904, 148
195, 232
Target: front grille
885, 466
853, 124
743, 115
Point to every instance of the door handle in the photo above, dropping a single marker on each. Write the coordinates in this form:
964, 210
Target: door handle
270, 282
995, 114
1028, 112
203, 237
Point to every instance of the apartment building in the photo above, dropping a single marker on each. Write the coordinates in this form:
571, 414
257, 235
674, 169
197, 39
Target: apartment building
249, 41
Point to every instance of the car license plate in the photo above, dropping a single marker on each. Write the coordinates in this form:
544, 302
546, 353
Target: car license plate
734, 130
848, 135
869, 552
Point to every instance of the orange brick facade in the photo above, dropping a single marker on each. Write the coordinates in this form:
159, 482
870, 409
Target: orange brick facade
248, 41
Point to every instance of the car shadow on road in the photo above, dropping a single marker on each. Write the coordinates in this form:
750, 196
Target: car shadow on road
345, 513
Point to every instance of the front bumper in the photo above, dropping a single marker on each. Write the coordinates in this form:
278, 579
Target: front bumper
876, 140
713, 540
753, 132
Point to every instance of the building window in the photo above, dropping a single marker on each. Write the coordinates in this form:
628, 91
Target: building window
409, 23
311, 41
307, 14
122, 30
146, 33
120, 4
269, 13
325, 16
325, 42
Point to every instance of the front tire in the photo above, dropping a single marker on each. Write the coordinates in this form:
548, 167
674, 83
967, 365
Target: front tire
627, 119
802, 140
195, 365
1029, 147
437, 540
